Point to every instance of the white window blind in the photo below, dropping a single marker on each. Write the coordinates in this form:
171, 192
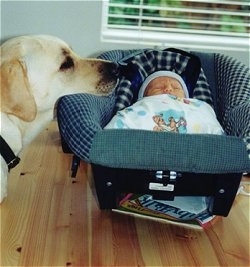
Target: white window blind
184, 23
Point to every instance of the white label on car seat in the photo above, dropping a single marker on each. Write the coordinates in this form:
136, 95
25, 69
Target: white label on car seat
161, 187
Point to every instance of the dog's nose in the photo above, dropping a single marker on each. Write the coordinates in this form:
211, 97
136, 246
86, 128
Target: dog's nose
114, 69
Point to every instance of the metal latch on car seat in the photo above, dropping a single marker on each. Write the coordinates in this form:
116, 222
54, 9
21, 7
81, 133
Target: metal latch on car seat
164, 180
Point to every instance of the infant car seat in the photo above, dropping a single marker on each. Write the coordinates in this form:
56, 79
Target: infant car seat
129, 160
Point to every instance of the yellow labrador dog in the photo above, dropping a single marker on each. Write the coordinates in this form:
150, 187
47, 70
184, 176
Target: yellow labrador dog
35, 71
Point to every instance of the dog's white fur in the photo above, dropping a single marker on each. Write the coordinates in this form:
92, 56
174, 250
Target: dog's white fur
35, 71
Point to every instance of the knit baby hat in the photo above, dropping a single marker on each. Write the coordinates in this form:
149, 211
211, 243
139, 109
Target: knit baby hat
160, 74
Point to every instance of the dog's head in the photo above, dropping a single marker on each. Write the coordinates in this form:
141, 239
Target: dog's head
37, 70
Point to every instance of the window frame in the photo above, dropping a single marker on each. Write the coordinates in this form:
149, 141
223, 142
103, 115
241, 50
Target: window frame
170, 38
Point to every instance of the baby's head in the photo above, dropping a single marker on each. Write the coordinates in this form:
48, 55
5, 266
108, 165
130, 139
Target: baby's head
163, 82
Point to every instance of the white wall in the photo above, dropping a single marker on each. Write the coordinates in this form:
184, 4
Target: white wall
76, 22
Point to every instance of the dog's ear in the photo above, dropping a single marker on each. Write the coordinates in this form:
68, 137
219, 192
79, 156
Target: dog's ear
16, 98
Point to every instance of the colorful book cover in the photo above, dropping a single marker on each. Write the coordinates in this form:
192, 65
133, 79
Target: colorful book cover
190, 212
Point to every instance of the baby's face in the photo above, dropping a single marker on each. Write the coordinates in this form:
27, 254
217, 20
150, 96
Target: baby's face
164, 85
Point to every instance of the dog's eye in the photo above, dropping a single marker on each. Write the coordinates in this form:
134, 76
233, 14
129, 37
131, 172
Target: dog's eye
67, 64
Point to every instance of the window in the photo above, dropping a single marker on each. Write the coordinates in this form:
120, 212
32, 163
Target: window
188, 24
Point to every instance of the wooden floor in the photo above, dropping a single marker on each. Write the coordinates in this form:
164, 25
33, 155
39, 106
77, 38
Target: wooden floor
49, 219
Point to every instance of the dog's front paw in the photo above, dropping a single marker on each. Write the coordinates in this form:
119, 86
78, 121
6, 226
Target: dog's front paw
3, 184
2, 197
3, 194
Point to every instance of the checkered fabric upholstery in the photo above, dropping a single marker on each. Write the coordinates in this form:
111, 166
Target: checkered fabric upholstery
193, 153
144, 63
233, 97
82, 117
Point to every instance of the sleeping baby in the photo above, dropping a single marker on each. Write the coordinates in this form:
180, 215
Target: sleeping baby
164, 105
